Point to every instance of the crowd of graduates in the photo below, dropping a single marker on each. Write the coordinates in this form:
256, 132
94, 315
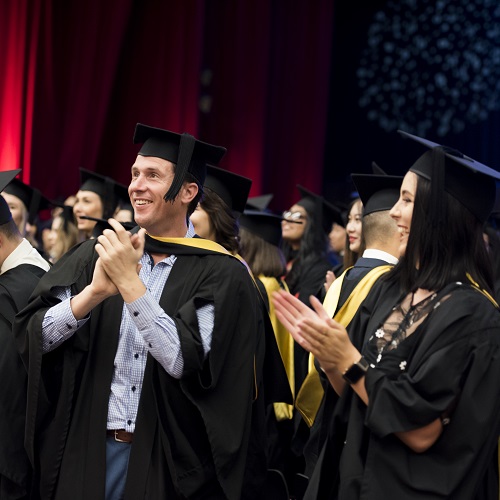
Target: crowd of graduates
176, 338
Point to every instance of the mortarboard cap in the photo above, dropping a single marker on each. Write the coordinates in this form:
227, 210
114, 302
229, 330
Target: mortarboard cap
263, 224
259, 202
319, 208
232, 188
121, 192
107, 188
6, 177
32, 198
104, 224
96, 183
377, 192
467, 180
189, 154
377, 169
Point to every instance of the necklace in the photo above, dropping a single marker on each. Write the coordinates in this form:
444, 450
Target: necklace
414, 313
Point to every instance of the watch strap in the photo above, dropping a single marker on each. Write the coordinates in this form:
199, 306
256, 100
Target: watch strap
356, 371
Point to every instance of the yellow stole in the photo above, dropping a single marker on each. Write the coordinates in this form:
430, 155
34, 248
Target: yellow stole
311, 392
484, 292
282, 411
194, 242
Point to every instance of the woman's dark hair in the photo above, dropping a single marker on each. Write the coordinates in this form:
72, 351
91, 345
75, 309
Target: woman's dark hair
351, 257
224, 222
438, 254
493, 247
314, 245
263, 258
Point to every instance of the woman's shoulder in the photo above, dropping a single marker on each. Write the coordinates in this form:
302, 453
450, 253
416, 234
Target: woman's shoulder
471, 294
466, 304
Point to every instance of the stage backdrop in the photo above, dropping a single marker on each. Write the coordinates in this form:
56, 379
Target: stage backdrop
251, 76
300, 92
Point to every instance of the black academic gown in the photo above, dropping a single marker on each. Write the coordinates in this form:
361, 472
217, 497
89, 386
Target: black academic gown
360, 269
319, 430
16, 285
194, 436
308, 282
455, 354
310, 279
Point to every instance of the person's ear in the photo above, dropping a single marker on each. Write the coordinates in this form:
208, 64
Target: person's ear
189, 191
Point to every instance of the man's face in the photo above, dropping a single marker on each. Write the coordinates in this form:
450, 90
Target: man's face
151, 179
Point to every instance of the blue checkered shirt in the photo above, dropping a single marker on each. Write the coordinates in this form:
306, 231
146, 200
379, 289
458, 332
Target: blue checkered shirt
144, 328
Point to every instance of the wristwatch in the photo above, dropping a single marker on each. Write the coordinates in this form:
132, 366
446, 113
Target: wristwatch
356, 371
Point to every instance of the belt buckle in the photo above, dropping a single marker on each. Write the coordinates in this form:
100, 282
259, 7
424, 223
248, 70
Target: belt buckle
117, 439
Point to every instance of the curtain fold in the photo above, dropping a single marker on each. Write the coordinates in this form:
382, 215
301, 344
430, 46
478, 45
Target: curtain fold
18, 32
270, 65
81, 75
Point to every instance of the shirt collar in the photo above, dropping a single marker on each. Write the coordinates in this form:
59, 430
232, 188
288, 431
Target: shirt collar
190, 232
372, 253
24, 253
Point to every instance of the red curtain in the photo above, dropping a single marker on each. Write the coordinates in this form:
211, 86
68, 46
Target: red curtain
19, 27
237, 55
298, 99
80, 75
271, 78
115, 63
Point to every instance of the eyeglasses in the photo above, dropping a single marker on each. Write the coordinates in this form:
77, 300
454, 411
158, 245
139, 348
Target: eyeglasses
296, 217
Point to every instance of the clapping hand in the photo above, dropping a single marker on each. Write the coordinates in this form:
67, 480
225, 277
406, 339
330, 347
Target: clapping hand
315, 331
119, 253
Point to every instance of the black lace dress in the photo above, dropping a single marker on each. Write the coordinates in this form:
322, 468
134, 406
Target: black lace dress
438, 357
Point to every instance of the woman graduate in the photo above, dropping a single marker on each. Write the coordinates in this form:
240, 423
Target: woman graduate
99, 197
305, 245
216, 216
419, 372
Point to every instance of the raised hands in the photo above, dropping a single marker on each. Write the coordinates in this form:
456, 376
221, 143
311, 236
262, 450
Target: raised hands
101, 283
119, 255
316, 332
329, 279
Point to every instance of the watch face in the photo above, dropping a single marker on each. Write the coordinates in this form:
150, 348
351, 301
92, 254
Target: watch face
356, 371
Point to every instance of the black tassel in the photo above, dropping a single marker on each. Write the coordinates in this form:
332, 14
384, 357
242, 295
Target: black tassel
186, 148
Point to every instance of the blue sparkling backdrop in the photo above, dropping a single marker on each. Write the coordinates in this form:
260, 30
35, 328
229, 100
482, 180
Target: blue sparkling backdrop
431, 65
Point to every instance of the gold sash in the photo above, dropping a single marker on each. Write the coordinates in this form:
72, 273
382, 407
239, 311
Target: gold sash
311, 392
283, 411
194, 242
484, 292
